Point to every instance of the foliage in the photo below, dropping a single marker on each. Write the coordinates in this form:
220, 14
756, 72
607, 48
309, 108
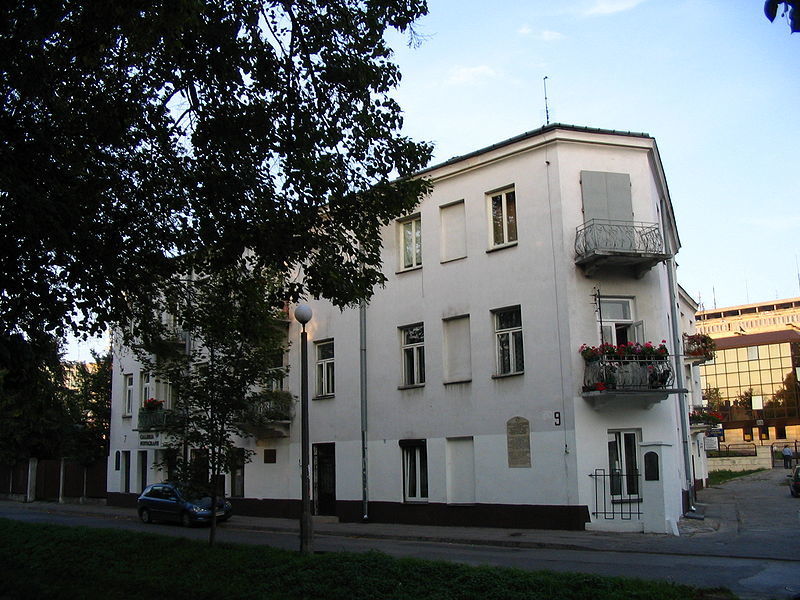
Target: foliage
791, 10
49, 561
704, 415
35, 416
699, 344
712, 398
723, 475
91, 400
631, 350
132, 133
221, 374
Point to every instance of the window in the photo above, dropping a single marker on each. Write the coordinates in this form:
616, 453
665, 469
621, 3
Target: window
146, 389
413, 347
617, 324
164, 393
415, 470
276, 372
411, 243
508, 339
623, 463
325, 368
128, 394
503, 218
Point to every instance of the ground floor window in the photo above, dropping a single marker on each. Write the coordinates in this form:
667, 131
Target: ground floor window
415, 470
623, 462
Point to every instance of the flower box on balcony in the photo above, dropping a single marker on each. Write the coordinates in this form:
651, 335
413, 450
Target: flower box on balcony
698, 348
643, 373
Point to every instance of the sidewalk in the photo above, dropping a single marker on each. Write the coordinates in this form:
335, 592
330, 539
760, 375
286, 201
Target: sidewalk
751, 517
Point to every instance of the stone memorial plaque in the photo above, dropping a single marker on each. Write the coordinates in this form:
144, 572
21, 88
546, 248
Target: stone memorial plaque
518, 436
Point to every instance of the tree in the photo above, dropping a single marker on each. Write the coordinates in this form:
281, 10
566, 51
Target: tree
35, 420
791, 10
214, 343
133, 132
91, 407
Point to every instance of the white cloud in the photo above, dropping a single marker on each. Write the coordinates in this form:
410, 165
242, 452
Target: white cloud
609, 7
550, 36
524, 30
470, 75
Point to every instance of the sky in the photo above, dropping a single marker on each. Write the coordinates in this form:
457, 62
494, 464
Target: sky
713, 81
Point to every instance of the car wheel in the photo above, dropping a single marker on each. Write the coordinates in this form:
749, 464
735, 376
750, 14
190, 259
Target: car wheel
145, 516
186, 521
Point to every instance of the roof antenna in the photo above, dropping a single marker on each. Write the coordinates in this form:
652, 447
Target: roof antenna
546, 110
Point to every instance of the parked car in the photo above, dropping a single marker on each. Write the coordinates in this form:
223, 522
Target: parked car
794, 482
176, 502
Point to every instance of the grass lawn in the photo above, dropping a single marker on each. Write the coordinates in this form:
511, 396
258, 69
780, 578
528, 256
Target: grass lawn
717, 477
52, 561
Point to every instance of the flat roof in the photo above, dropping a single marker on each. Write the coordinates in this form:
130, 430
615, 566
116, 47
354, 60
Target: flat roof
758, 339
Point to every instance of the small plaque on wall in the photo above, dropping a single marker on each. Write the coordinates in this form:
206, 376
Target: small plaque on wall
518, 436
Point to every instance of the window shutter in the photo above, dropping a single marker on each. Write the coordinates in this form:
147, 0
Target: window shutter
606, 196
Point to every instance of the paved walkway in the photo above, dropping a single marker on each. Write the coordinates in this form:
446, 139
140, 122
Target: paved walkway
750, 517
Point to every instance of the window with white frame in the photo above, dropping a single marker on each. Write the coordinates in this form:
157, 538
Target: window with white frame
415, 470
325, 368
503, 217
410, 243
163, 392
413, 348
128, 394
508, 341
617, 321
623, 462
277, 371
145, 388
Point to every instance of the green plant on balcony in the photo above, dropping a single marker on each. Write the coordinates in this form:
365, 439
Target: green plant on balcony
699, 345
630, 366
703, 416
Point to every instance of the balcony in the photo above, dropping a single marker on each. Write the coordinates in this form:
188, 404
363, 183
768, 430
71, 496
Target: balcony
624, 381
153, 420
698, 348
619, 244
270, 416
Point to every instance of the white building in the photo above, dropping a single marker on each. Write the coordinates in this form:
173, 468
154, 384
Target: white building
458, 394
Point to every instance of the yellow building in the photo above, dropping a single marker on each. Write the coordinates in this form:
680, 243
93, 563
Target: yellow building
753, 379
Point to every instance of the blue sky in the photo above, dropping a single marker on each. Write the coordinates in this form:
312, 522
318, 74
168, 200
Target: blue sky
713, 81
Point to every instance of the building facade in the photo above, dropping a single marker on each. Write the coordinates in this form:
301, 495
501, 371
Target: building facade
753, 380
459, 394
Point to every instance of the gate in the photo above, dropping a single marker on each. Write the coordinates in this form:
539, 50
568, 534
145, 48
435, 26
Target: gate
617, 495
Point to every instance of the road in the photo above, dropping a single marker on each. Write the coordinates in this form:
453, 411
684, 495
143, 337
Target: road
756, 578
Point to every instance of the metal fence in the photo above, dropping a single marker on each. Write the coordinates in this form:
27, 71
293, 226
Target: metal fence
726, 450
618, 236
617, 495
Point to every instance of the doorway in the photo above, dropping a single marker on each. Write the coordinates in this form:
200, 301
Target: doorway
324, 467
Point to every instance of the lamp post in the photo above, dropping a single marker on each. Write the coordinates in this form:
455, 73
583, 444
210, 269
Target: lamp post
303, 315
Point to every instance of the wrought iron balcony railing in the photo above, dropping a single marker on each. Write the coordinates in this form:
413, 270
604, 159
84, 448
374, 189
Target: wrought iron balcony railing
270, 416
632, 243
628, 374
153, 420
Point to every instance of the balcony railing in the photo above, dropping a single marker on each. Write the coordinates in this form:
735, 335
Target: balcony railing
153, 420
644, 381
270, 416
600, 242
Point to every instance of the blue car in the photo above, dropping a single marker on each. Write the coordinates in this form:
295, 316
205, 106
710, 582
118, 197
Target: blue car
174, 502
794, 482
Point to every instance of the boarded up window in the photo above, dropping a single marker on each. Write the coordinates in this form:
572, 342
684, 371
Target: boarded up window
454, 231
457, 352
606, 196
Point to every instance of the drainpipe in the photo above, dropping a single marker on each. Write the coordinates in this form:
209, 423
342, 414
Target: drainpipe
676, 337
362, 327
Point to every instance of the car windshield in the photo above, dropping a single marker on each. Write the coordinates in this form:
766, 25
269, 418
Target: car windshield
195, 496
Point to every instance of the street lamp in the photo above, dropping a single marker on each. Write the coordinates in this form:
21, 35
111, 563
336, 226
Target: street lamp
303, 315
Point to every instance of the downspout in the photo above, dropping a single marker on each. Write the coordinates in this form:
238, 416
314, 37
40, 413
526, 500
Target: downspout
676, 352
362, 328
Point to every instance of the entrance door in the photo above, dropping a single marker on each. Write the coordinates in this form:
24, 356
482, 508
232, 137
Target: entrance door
324, 479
